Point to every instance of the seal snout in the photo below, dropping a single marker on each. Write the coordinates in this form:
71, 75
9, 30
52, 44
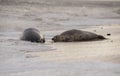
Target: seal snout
42, 40
53, 39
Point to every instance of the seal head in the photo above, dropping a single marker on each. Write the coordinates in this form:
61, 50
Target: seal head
33, 35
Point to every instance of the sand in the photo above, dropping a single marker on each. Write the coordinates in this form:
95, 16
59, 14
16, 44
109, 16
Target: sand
98, 58
105, 50
52, 17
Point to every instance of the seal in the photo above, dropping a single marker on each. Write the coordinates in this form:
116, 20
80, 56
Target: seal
77, 35
33, 35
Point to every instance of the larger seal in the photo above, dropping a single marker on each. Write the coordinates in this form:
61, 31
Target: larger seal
77, 35
33, 35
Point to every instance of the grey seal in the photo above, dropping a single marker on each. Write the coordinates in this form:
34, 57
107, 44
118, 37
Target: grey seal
77, 35
33, 35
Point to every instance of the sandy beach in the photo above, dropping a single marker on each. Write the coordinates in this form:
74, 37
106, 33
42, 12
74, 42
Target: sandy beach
52, 17
105, 50
71, 58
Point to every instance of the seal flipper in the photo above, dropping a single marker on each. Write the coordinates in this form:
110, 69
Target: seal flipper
101, 37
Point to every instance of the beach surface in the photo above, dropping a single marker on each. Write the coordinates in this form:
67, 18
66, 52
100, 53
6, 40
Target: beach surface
90, 58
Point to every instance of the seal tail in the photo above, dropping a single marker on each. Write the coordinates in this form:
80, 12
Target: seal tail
101, 37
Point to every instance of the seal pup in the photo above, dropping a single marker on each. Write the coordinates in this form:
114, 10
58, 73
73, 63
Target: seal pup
77, 35
33, 35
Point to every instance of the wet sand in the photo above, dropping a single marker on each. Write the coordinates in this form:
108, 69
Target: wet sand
71, 58
105, 50
22, 58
